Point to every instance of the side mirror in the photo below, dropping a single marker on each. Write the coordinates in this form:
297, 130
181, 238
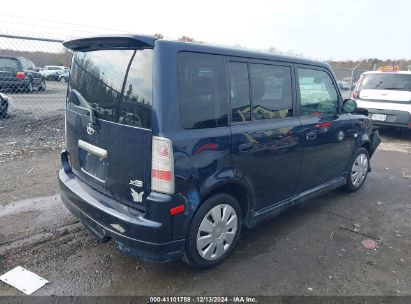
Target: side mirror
350, 106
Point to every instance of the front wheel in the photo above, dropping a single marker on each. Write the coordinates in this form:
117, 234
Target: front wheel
3, 109
358, 170
213, 232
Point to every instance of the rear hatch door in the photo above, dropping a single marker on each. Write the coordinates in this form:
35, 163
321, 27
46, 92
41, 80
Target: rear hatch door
108, 118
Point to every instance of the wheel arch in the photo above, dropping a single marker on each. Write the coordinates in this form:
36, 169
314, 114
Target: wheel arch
365, 142
239, 190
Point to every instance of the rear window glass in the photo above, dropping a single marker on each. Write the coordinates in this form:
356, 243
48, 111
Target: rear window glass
398, 82
116, 83
202, 90
8, 64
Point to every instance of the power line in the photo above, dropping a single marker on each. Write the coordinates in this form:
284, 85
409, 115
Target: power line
30, 38
66, 23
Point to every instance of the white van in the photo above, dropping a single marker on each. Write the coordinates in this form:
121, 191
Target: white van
386, 96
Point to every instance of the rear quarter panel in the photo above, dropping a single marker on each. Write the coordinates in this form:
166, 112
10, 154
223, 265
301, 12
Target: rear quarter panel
201, 156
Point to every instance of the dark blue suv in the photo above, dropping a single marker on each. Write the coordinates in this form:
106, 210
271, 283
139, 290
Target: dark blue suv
172, 147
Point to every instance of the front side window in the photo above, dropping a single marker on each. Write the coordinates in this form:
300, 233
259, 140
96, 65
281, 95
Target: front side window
202, 90
317, 92
271, 91
30, 65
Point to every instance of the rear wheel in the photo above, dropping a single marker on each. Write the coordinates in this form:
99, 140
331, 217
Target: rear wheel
62, 79
358, 171
213, 232
42, 87
3, 109
29, 87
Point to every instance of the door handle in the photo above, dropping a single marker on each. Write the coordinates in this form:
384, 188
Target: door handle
246, 147
311, 135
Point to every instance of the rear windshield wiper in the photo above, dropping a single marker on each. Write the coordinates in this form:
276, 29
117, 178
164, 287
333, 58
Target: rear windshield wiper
86, 107
378, 84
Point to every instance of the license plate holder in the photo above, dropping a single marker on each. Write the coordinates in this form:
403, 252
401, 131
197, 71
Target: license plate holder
93, 166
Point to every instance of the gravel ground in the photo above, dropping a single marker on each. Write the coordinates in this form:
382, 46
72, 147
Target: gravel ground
31, 138
305, 251
29, 155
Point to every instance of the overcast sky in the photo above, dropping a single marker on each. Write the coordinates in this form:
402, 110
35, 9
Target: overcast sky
322, 29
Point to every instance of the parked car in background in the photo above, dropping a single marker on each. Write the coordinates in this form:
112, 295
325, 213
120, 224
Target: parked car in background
64, 77
56, 75
353, 85
18, 74
50, 69
170, 158
386, 96
4, 105
343, 85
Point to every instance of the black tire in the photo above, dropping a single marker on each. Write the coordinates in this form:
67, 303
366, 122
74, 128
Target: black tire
43, 86
29, 88
3, 109
63, 79
350, 185
192, 255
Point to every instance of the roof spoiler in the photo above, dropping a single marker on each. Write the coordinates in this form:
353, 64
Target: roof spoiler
110, 42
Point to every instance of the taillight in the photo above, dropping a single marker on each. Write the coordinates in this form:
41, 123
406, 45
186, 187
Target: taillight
162, 165
356, 91
20, 75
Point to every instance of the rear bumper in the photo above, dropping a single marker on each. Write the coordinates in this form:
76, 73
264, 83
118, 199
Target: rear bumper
375, 141
394, 118
107, 219
390, 124
12, 84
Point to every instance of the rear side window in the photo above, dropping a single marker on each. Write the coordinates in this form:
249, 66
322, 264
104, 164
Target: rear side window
239, 92
202, 90
271, 91
27, 64
116, 83
317, 92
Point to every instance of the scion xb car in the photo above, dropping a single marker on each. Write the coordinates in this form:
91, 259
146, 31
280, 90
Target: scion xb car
172, 147
386, 96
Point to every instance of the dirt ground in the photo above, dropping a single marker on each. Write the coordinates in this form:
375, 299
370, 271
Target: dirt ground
305, 251
29, 155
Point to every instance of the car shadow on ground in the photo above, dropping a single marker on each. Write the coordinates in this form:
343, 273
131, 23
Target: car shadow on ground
262, 238
395, 133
